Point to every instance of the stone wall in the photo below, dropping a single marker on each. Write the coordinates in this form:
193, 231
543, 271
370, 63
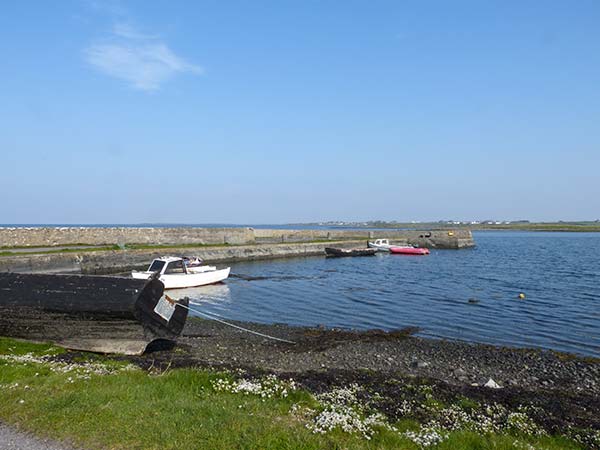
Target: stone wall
50, 237
431, 239
57, 236
245, 243
104, 262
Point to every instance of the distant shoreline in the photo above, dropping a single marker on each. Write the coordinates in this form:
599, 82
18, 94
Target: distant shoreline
529, 226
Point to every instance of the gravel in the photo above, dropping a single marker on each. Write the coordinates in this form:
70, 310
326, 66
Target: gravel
458, 363
566, 386
11, 439
563, 388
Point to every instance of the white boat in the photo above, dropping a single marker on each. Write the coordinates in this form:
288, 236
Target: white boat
200, 269
382, 245
174, 273
194, 265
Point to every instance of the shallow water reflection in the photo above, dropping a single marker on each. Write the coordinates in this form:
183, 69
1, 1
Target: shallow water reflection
212, 294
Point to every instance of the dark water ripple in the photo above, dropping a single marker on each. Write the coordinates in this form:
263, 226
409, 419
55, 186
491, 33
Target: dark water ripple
558, 272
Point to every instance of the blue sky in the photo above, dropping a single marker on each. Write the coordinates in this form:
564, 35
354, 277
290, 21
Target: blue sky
289, 111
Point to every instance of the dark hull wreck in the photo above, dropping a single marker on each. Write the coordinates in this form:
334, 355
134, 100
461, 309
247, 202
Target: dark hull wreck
341, 252
91, 313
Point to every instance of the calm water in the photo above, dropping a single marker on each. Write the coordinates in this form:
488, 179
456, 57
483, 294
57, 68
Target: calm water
558, 272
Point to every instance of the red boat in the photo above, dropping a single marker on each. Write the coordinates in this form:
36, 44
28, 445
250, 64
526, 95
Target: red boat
409, 251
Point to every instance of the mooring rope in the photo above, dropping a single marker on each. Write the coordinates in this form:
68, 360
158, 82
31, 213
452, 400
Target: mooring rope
211, 313
208, 316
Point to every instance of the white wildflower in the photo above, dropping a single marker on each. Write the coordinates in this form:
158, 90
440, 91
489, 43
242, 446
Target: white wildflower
267, 387
426, 436
342, 410
78, 369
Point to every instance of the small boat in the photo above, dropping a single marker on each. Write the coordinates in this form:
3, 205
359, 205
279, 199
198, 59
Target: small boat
381, 245
175, 274
104, 314
409, 250
339, 252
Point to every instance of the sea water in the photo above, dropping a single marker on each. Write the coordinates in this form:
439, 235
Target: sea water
470, 294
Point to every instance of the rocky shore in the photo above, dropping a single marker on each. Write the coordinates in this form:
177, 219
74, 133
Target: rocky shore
561, 391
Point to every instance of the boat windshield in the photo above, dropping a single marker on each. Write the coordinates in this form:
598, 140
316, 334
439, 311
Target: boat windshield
175, 267
156, 266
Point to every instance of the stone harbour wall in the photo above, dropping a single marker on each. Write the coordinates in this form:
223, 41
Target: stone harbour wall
113, 261
431, 239
243, 244
57, 236
64, 236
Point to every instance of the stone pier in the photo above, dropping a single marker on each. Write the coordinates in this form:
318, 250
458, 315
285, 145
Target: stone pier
214, 245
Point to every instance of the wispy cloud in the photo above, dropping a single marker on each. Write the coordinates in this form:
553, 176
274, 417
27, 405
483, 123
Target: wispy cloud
142, 60
126, 31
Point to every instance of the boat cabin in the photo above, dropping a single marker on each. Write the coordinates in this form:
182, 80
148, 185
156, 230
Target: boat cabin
382, 242
168, 265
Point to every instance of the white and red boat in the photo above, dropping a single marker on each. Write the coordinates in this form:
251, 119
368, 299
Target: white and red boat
381, 245
409, 250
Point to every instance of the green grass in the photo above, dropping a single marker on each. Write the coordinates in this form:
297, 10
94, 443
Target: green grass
159, 246
80, 250
60, 250
74, 249
180, 409
16, 347
9, 247
199, 246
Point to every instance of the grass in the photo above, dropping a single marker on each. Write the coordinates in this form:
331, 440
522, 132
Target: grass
17, 347
9, 247
185, 409
59, 250
75, 249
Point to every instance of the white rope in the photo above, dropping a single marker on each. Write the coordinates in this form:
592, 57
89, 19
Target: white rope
208, 316
211, 313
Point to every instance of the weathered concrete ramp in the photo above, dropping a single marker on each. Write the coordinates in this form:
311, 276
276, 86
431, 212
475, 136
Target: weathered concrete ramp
91, 313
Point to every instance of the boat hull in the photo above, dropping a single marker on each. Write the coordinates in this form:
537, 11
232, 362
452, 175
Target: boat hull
91, 313
344, 252
186, 280
409, 251
200, 269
